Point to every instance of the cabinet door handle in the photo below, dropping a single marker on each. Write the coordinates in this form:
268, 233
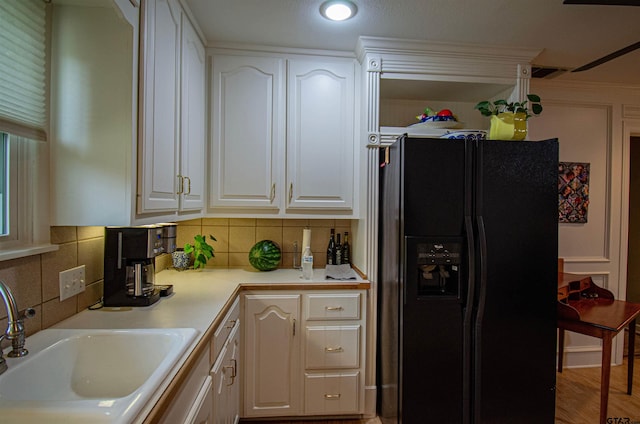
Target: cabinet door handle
332, 396
294, 327
334, 308
273, 192
180, 184
337, 349
234, 370
188, 185
290, 192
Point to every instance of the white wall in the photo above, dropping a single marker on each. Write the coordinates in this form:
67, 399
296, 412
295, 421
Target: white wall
593, 124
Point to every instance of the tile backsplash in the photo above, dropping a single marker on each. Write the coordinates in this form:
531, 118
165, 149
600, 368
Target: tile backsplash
236, 236
34, 280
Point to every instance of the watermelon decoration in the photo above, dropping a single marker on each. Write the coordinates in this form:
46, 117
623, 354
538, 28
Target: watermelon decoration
265, 255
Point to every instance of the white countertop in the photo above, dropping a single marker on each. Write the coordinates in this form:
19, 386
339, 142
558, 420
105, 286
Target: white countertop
198, 299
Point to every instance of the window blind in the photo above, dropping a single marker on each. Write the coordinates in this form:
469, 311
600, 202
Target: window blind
23, 85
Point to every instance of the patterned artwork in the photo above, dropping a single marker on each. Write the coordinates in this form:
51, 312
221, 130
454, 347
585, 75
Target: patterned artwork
573, 192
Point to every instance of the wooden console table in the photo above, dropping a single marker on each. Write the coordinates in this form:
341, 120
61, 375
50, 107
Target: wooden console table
585, 308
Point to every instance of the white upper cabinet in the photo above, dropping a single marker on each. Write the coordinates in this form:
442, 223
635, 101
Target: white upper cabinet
247, 127
93, 112
160, 105
172, 136
128, 126
320, 138
193, 134
282, 158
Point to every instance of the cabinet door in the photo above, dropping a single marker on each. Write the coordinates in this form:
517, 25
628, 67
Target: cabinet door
160, 106
193, 402
93, 130
201, 412
192, 140
272, 355
247, 132
233, 395
226, 381
320, 134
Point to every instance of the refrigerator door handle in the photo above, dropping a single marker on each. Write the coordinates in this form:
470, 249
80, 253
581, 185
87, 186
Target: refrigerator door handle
468, 225
467, 321
482, 281
479, 315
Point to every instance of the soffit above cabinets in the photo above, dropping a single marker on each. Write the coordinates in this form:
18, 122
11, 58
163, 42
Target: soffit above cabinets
439, 90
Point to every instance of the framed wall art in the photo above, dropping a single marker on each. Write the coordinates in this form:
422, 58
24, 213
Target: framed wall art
573, 192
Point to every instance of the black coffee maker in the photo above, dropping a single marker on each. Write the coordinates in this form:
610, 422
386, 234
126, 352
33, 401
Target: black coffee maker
129, 265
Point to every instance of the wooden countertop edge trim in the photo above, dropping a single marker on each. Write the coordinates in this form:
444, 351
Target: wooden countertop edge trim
161, 406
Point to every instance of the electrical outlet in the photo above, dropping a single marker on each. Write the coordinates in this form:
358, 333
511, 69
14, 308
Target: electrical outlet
71, 282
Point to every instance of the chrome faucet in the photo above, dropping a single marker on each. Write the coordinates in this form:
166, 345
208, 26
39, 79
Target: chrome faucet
15, 326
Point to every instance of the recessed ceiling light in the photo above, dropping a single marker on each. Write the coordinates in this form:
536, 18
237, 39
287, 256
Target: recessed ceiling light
338, 10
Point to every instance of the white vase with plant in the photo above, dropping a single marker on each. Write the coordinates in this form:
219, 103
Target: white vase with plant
199, 252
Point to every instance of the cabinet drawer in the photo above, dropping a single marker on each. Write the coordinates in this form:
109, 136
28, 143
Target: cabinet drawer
335, 393
230, 320
332, 347
332, 306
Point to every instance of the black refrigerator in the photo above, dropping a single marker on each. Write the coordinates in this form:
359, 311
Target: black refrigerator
467, 281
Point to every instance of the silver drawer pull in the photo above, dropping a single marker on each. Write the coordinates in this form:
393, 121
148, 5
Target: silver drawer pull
334, 308
334, 349
332, 396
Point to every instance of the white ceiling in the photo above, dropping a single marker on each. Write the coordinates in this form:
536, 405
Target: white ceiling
568, 35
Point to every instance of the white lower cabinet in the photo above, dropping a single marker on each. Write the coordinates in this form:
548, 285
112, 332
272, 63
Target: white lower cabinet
272, 355
193, 403
304, 353
200, 412
225, 354
226, 382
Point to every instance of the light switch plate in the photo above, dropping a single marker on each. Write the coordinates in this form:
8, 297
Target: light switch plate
71, 282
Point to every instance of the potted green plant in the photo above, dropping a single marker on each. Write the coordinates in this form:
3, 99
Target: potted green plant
200, 251
509, 119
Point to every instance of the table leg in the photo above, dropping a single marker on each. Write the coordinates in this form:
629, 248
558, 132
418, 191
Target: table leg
606, 369
630, 354
560, 348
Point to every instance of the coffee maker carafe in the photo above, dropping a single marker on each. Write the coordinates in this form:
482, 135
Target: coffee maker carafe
129, 265
140, 279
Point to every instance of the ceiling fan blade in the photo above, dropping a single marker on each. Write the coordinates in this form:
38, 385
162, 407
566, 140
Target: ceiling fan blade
608, 57
605, 2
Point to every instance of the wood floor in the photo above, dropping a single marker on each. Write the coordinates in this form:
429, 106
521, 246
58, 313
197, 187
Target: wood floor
366, 421
577, 397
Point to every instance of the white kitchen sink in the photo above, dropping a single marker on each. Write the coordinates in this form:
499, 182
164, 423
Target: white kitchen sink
89, 375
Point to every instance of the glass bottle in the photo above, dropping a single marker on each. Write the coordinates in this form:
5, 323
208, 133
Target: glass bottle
331, 249
346, 249
338, 250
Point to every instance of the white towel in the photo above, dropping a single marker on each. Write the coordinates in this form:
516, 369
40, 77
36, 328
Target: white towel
339, 272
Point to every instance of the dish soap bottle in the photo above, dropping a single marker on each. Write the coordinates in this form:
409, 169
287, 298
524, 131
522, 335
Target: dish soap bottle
307, 264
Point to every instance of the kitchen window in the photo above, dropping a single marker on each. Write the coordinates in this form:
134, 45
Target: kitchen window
4, 185
24, 152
